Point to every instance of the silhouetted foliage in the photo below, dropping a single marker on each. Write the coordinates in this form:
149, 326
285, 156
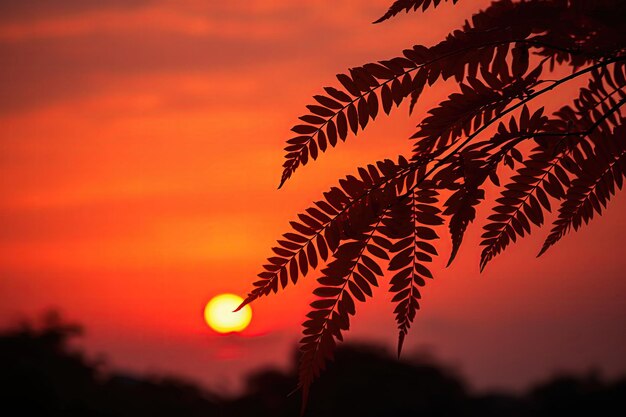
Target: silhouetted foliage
490, 133
41, 375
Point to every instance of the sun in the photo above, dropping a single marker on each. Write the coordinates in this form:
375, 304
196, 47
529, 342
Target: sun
219, 314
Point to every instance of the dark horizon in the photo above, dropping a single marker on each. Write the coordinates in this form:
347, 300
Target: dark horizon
42, 373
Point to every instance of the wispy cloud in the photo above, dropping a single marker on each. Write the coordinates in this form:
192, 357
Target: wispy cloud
81, 49
27, 10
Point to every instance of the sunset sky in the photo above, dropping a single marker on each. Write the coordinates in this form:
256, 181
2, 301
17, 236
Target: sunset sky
140, 151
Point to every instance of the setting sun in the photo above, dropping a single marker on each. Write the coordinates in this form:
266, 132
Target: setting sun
219, 314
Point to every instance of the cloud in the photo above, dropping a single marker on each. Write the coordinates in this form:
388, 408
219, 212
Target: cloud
83, 48
40, 70
24, 10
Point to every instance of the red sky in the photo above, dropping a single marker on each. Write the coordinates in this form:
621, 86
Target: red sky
140, 150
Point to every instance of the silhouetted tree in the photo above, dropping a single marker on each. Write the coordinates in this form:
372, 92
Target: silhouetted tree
386, 216
41, 376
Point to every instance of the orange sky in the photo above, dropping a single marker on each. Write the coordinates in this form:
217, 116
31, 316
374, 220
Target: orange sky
140, 150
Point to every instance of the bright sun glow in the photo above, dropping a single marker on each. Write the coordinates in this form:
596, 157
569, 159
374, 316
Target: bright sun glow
219, 315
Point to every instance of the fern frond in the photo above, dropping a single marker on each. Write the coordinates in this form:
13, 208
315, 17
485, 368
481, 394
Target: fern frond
464, 112
341, 111
406, 5
600, 174
524, 198
408, 226
521, 201
349, 276
319, 230
472, 173
585, 31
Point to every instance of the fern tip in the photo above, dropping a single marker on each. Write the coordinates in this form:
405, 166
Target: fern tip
400, 344
242, 305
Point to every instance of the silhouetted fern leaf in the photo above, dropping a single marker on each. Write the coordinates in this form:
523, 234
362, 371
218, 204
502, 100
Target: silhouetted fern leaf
348, 277
340, 112
600, 175
463, 112
407, 5
319, 230
408, 228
